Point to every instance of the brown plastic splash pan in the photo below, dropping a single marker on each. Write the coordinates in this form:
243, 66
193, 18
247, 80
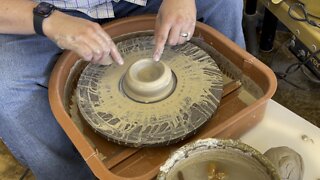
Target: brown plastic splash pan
248, 85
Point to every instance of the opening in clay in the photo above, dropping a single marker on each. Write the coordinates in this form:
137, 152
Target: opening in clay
148, 81
148, 71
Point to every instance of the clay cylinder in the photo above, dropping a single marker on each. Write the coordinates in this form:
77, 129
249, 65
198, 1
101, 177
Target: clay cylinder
148, 81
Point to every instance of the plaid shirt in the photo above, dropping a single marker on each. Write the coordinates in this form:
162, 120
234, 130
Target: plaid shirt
94, 8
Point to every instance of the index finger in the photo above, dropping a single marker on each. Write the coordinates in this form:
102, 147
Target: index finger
116, 56
161, 36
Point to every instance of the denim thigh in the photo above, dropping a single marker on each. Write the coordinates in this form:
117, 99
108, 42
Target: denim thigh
27, 125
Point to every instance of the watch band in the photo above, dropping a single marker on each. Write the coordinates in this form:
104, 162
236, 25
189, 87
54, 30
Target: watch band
40, 12
37, 24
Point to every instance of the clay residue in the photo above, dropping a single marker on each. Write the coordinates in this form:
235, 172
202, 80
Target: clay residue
287, 161
236, 160
230, 70
149, 74
194, 100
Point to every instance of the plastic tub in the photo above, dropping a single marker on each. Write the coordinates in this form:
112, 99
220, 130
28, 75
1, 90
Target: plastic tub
249, 84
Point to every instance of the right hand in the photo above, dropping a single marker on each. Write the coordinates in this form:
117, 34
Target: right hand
82, 36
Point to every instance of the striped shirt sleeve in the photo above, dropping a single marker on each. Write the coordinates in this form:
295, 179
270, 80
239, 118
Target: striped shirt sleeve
98, 9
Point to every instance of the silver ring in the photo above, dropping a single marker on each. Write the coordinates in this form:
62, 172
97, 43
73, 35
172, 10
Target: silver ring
185, 35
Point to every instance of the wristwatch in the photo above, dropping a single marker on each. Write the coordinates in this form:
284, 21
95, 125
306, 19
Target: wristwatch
40, 12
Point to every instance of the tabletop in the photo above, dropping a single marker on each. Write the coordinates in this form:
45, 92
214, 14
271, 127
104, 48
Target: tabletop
282, 127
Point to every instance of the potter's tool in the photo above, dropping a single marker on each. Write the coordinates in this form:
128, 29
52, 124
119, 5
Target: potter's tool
143, 103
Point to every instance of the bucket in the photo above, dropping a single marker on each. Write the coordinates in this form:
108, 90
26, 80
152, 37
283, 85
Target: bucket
217, 159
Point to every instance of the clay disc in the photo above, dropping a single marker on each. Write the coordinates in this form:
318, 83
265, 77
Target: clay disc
120, 119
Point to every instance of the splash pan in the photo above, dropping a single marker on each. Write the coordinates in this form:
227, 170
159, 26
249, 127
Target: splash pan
247, 85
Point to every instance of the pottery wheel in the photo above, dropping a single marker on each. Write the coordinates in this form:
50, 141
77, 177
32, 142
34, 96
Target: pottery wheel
192, 101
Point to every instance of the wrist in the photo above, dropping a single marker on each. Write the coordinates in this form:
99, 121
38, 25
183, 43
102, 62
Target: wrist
51, 23
40, 13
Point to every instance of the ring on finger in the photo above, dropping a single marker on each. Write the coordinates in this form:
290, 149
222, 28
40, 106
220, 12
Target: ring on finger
184, 34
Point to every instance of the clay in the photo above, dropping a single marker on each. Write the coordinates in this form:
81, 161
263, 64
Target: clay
148, 81
232, 119
219, 160
287, 161
129, 109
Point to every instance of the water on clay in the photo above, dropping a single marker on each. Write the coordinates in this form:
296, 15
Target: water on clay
231, 164
245, 96
217, 159
149, 73
157, 116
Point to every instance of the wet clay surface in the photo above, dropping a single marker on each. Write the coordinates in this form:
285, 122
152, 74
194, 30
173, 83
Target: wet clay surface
206, 158
109, 111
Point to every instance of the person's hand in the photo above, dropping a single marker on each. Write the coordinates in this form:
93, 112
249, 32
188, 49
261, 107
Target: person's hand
175, 24
84, 37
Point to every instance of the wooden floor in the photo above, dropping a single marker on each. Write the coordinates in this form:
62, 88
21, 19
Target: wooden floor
10, 168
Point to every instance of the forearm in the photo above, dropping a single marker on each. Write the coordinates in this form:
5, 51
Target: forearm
16, 16
84, 37
175, 24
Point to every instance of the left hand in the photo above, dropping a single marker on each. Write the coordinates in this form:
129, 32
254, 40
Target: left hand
175, 24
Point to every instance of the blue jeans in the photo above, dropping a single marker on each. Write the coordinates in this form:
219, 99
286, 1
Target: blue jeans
27, 125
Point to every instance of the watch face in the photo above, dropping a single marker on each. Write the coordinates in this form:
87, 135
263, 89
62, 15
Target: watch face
44, 9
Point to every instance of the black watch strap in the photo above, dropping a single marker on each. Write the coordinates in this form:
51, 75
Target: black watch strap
37, 24
40, 12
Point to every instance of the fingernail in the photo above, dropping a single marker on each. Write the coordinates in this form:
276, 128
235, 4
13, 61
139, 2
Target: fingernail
156, 57
157, 54
120, 61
